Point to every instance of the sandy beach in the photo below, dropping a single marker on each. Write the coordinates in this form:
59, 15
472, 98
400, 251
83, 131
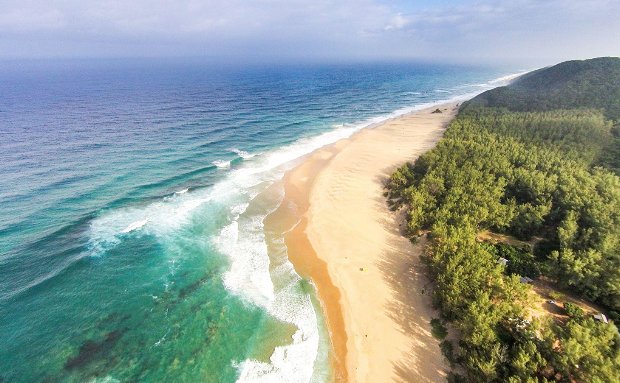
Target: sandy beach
369, 277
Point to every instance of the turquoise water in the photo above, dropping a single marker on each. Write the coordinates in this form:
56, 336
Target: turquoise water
132, 195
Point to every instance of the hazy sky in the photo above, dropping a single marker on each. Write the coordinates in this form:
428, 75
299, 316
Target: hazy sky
270, 30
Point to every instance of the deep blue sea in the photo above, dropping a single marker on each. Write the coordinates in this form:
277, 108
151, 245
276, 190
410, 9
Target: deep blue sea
132, 199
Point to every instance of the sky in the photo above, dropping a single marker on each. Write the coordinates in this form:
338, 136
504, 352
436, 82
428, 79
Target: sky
312, 30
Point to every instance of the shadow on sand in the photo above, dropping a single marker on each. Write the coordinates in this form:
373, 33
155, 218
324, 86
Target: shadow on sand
411, 307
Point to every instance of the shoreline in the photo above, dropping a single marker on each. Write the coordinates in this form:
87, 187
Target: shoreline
340, 234
289, 219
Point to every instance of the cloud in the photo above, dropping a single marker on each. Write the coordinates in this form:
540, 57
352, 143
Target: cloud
397, 22
20, 20
518, 28
310, 29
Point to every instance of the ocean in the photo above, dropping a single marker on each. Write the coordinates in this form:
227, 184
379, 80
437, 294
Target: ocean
132, 200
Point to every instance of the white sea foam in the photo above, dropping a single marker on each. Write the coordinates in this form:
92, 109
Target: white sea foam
242, 153
506, 79
135, 225
242, 240
181, 191
221, 164
237, 210
294, 362
159, 218
500, 81
105, 379
250, 277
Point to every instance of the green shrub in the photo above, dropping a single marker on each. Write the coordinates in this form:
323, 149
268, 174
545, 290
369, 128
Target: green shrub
438, 330
447, 349
573, 310
455, 378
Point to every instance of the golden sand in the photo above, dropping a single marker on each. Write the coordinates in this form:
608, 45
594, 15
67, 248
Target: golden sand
370, 280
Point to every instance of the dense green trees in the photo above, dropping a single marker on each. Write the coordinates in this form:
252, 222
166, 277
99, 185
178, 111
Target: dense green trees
528, 171
525, 183
582, 349
568, 85
593, 84
520, 261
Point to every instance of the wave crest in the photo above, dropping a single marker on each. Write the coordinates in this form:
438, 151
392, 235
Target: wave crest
222, 164
242, 153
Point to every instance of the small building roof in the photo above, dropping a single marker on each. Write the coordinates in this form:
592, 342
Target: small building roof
601, 317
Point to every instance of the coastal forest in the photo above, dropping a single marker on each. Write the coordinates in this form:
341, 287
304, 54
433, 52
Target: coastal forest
535, 164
